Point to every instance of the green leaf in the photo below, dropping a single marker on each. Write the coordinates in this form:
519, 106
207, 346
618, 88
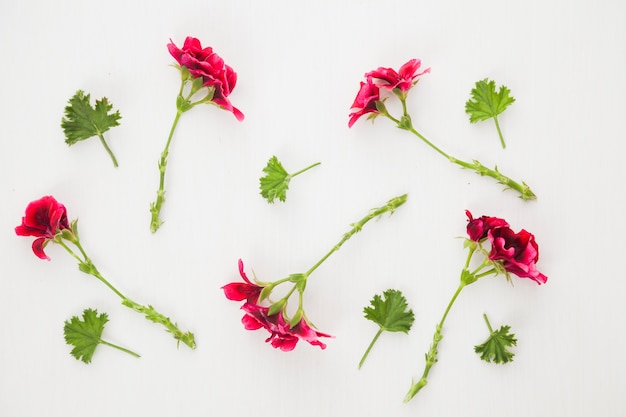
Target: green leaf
275, 183
82, 121
495, 348
85, 335
391, 312
487, 103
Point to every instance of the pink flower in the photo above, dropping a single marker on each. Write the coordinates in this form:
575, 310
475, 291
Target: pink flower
239, 291
477, 229
44, 218
403, 80
206, 64
365, 101
282, 335
518, 252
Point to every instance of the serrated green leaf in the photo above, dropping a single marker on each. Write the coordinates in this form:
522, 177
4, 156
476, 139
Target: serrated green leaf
495, 348
487, 103
85, 334
390, 312
82, 121
276, 181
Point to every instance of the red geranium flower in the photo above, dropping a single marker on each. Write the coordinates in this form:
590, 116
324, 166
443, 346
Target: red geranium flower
44, 218
518, 253
239, 291
365, 101
477, 229
206, 64
282, 335
403, 80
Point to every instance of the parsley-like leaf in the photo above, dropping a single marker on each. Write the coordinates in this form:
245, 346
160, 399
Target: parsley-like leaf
85, 335
276, 181
82, 121
495, 348
487, 103
390, 313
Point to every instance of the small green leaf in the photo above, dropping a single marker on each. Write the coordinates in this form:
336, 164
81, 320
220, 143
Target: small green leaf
85, 335
81, 121
487, 103
495, 348
276, 181
390, 313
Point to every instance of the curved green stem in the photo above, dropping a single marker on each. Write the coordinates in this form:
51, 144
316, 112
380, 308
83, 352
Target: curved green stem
305, 169
109, 151
130, 352
523, 189
87, 266
391, 206
495, 119
367, 352
431, 355
155, 207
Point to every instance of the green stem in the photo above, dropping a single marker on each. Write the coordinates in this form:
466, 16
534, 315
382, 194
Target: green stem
367, 352
87, 266
104, 342
391, 206
495, 119
305, 169
431, 355
110, 152
488, 324
155, 207
523, 189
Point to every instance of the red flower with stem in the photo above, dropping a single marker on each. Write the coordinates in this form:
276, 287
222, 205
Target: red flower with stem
400, 83
263, 313
202, 72
46, 219
509, 253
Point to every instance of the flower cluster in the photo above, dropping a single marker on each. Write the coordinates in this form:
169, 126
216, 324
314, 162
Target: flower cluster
209, 67
44, 219
515, 253
284, 331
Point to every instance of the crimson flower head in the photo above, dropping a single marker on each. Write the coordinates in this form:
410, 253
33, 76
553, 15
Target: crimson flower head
404, 79
282, 335
44, 218
518, 253
477, 229
365, 101
239, 291
206, 64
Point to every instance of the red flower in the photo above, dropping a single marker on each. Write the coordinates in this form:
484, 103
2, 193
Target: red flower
403, 80
365, 101
44, 219
282, 335
206, 64
518, 252
477, 229
239, 291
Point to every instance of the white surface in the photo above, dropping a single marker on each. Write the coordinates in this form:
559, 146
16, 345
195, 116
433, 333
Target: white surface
299, 67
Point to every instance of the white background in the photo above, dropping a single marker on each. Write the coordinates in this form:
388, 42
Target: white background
299, 65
